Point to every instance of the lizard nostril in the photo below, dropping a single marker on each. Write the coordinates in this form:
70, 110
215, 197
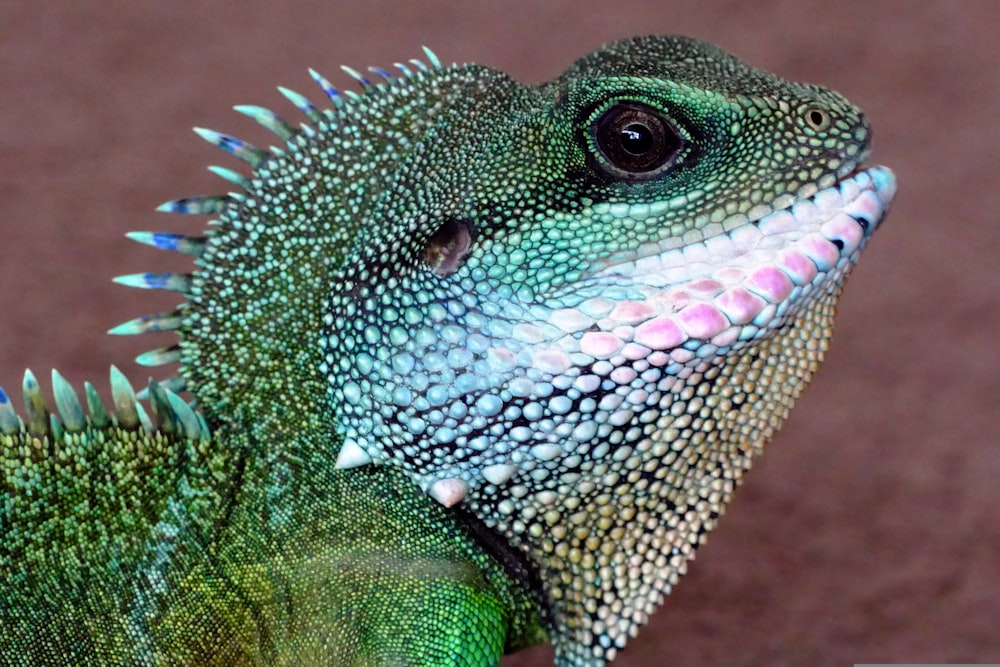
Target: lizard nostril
449, 246
818, 119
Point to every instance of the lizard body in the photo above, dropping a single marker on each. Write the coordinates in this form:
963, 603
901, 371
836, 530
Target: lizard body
476, 364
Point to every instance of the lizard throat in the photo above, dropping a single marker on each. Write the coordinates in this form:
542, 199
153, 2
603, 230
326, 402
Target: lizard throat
493, 397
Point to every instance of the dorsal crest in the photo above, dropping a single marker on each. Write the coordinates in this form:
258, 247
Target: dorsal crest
297, 197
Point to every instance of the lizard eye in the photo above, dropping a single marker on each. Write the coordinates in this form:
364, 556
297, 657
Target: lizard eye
636, 141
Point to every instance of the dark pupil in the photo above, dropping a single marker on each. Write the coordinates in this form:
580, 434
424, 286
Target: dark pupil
637, 139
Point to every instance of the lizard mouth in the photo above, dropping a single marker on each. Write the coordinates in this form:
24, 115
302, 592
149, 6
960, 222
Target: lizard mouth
735, 285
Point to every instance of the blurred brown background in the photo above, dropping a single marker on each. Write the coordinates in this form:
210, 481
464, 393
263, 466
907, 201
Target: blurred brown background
870, 532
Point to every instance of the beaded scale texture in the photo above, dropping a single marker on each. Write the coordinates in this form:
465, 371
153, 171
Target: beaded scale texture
476, 364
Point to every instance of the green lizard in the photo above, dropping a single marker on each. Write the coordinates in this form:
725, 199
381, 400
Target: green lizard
476, 365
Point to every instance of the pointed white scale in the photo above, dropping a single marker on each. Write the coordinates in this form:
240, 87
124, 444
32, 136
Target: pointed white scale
449, 491
351, 456
499, 473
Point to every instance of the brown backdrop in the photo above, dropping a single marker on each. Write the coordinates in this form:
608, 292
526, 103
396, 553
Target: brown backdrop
870, 530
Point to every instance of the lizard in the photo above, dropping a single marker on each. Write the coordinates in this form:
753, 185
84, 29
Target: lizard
475, 365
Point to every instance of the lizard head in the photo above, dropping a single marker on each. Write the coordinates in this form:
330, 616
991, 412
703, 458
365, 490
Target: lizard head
574, 310
584, 306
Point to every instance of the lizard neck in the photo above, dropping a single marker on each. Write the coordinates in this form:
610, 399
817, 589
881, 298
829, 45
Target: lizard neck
650, 506
249, 347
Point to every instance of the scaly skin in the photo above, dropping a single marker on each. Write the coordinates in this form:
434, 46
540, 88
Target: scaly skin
477, 364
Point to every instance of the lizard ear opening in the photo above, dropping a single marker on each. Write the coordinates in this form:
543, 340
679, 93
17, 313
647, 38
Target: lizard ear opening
449, 246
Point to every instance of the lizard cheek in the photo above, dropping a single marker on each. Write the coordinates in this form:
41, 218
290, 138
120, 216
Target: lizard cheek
449, 246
